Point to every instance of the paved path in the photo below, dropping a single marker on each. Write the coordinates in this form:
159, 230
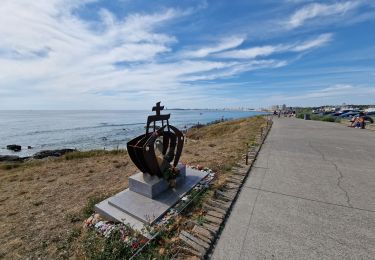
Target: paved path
310, 195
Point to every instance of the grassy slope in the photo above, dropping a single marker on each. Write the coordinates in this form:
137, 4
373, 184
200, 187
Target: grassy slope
42, 205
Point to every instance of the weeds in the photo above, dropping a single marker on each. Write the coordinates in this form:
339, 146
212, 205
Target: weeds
91, 153
73, 235
88, 210
73, 217
9, 166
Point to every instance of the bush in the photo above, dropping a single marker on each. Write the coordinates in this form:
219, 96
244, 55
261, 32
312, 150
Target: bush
328, 119
300, 116
323, 118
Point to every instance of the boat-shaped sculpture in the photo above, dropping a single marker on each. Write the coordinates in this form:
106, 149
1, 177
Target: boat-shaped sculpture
159, 149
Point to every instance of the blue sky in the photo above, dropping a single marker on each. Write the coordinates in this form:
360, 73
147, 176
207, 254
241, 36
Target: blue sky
127, 54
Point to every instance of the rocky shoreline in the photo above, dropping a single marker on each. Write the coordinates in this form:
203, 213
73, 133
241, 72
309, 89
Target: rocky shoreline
39, 155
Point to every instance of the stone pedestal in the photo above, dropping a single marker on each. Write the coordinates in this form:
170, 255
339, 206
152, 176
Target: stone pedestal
148, 199
152, 186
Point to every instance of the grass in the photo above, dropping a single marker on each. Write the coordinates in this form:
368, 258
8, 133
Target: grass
69, 156
9, 166
219, 129
15, 165
318, 117
109, 248
91, 153
88, 210
85, 177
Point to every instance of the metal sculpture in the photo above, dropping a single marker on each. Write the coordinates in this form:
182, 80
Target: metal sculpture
170, 141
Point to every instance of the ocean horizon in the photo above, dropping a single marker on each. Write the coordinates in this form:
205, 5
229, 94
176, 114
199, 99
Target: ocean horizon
91, 129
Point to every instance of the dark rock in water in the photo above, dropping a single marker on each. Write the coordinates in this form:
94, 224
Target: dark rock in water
14, 147
12, 158
29, 147
55, 153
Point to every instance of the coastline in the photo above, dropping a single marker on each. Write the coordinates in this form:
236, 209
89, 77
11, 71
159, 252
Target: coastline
36, 131
57, 192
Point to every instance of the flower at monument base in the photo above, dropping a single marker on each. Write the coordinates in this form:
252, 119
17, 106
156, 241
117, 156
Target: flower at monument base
135, 245
161, 251
171, 173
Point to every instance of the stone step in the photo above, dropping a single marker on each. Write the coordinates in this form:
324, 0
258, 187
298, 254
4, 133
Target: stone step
237, 177
229, 195
222, 198
213, 219
236, 181
200, 249
209, 207
205, 239
202, 231
240, 170
239, 173
190, 251
219, 204
213, 228
200, 242
232, 186
216, 214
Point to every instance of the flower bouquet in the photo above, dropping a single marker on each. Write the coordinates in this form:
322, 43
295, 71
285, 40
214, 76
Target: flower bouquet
170, 175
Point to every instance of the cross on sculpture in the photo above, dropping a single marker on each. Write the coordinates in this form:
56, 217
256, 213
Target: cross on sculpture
158, 108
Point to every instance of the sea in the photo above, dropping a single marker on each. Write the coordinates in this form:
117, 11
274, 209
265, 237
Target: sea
87, 130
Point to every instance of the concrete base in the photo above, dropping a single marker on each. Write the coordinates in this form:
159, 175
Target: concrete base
135, 209
152, 186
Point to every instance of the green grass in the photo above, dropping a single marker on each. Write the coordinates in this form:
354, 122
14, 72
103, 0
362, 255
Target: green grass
9, 166
91, 153
15, 165
88, 210
318, 117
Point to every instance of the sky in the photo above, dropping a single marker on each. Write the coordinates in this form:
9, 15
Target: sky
128, 54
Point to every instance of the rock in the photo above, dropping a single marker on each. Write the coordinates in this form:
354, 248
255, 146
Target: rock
29, 147
10, 158
14, 147
54, 153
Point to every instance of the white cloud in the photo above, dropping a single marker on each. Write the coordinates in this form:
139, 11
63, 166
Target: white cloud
251, 53
224, 44
315, 10
315, 43
263, 51
52, 58
337, 91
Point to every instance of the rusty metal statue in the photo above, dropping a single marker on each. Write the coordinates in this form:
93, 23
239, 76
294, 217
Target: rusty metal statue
166, 140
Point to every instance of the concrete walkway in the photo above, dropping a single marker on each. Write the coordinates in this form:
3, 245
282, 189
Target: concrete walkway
310, 195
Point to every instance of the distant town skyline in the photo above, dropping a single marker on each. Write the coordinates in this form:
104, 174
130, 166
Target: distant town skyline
123, 54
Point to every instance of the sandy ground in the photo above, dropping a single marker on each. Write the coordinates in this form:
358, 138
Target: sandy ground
42, 204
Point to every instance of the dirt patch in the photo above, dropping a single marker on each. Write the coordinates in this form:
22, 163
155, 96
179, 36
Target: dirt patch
42, 205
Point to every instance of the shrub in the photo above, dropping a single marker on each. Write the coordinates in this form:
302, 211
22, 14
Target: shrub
328, 119
300, 116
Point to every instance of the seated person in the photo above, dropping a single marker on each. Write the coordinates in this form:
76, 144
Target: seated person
360, 122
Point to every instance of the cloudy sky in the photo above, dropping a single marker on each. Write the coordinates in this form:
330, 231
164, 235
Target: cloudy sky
128, 54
